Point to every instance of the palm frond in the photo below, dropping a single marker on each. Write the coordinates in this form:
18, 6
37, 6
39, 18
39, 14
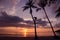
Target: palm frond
58, 10
42, 3
34, 6
58, 15
51, 2
29, 3
38, 9
25, 8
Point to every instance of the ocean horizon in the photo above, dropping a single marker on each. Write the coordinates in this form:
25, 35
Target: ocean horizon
26, 32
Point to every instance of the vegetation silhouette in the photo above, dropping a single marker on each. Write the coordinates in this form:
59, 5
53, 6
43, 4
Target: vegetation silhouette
58, 31
42, 4
30, 5
58, 15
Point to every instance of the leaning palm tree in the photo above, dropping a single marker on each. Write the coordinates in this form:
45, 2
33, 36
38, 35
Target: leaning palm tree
30, 5
58, 12
42, 4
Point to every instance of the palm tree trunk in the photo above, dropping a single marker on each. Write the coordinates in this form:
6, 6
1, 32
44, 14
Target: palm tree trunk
49, 22
34, 23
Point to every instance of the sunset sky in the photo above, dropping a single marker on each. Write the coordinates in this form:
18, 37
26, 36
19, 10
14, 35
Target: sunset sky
14, 9
15, 22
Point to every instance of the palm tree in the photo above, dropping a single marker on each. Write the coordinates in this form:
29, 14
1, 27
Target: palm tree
35, 18
58, 12
42, 4
30, 5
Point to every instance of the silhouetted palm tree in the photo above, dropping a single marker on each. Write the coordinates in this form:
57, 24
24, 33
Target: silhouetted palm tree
42, 4
58, 12
30, 5
35, 18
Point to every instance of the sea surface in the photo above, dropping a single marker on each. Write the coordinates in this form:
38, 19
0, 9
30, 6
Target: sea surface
26, 32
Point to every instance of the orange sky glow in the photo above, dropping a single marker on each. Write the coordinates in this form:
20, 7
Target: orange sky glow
27, 32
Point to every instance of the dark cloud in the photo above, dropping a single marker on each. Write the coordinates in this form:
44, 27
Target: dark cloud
29, 22
8, 20
42, 23
38, 21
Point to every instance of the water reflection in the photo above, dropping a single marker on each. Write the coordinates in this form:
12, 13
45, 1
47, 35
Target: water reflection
25, 32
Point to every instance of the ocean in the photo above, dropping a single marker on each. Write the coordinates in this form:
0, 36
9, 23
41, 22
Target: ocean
26, 32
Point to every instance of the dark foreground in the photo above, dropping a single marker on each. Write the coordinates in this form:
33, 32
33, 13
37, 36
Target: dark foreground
29, 38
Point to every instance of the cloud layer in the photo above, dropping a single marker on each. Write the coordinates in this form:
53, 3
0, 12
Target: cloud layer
6, 19
42, 23
57, 25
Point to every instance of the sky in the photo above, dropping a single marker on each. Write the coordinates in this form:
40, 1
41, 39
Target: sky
13, 9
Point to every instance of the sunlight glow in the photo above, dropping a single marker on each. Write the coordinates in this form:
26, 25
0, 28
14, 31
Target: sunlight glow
25, 32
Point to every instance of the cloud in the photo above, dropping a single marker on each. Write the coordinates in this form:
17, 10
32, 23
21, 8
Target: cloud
42, 23
29, 22
8, 20
25, 25
38, 21
57, 25
15, 21
9, 6
12, 2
